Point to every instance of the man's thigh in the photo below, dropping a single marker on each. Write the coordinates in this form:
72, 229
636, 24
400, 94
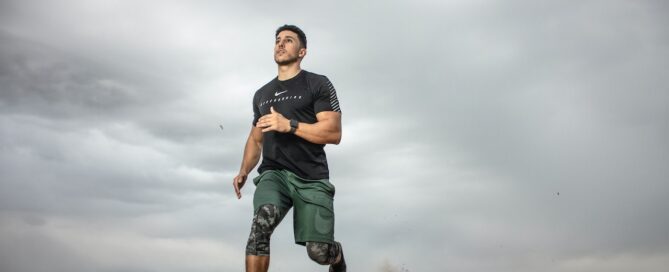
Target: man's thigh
271, 188
313, 211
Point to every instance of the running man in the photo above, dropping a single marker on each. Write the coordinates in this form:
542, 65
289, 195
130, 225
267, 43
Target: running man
295, 115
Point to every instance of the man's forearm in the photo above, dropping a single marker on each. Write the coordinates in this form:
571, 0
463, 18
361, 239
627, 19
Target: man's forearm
327, 130
320, 132
251, 157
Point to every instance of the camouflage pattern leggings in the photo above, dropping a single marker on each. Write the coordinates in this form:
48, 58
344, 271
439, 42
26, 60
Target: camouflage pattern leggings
264, 223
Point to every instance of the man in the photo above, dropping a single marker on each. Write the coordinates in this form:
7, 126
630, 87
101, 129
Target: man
295, 115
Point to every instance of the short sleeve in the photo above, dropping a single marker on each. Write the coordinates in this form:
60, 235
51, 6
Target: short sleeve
326, 98
256, 110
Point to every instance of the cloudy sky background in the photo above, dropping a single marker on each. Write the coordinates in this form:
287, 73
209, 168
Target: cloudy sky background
462, 120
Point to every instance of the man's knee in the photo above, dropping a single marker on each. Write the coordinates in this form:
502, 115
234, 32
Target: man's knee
321, 253
264, 221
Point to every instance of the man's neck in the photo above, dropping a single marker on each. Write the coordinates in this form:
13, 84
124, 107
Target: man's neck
287, 72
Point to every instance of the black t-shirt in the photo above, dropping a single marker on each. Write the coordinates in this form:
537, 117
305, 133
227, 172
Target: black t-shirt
299, 98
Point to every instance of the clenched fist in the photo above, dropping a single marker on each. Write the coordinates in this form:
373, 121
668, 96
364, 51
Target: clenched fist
273, 121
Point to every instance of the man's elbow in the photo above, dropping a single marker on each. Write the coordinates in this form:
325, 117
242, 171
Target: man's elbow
336, 139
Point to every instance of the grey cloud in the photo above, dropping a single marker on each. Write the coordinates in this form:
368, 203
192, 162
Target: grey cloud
462, 122
34, 252
41, 80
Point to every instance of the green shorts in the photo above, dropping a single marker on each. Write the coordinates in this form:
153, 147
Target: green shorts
313, 217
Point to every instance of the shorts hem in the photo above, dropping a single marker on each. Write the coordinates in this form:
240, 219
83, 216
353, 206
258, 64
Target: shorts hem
314, 239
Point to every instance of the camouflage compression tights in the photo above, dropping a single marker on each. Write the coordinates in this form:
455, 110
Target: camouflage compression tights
323, 253
264, 223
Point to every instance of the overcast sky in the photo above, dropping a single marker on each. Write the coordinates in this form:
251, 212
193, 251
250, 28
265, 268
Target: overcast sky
478, 135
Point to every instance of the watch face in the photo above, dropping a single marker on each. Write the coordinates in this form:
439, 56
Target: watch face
293, 123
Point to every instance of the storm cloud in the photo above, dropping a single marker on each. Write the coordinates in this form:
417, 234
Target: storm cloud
478, 135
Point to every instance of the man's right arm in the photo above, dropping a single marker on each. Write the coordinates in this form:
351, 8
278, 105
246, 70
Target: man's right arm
252, 152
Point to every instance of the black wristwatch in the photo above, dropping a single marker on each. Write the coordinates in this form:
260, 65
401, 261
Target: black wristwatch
293, 126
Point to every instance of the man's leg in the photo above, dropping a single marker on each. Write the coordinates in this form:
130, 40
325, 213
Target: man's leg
257, 263
314, 222
325, 253
265, 221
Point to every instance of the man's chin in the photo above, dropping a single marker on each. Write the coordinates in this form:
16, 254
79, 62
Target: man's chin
285, 61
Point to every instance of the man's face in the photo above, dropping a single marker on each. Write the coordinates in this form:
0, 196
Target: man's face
287, 48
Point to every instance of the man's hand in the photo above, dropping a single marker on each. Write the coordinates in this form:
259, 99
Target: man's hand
238, 182
273, 121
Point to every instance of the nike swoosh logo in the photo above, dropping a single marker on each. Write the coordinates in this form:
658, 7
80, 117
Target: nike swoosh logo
279, 93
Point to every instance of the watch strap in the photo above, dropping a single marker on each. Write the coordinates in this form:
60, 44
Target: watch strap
293, 125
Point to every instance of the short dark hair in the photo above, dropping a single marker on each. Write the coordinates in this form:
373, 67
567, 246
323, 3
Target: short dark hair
297, 30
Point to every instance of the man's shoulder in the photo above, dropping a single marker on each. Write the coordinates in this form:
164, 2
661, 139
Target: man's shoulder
314, 76
268, 86
315, 81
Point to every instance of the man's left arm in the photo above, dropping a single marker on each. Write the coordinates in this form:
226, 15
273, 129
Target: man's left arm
326, 130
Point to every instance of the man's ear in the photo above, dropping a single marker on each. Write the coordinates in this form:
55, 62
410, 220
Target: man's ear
302, 52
